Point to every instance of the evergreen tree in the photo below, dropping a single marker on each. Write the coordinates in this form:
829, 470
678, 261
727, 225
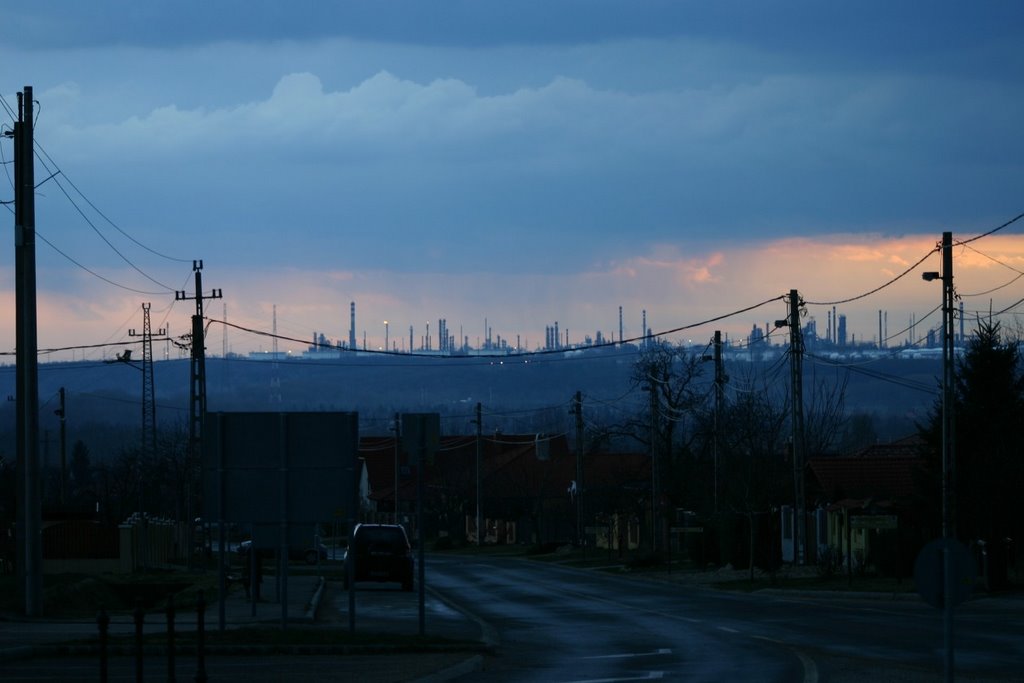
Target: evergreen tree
988, 441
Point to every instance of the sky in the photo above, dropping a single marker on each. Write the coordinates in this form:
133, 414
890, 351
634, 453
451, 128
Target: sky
518, 163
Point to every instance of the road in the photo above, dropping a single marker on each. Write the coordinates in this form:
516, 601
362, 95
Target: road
558, 624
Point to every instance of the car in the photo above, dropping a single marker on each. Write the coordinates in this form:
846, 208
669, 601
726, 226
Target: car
310, 555
379, 552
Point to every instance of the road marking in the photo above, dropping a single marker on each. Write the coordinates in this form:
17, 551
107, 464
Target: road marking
651, 676
630, 655
810, 668
727, 629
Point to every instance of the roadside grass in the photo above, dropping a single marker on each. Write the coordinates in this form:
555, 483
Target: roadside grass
267, 638
83, 595
78, 596
685, 571
834, 583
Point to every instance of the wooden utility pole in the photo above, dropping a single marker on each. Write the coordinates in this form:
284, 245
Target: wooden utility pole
29, 556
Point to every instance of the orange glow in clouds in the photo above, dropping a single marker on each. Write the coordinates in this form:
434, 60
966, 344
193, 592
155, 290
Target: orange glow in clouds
676, 289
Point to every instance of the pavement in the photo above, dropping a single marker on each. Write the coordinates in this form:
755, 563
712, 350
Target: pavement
68, 649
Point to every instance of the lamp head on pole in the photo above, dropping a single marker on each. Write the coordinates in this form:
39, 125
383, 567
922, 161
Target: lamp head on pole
931, 275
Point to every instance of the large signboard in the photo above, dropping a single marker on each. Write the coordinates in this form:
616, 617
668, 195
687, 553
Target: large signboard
279, 468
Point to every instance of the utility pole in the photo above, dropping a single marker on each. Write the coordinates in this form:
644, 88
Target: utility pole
948, 443
796, 350
719, 395
29, 558
197, 392
652, 387
479, 422
62, 415
148, 388
577, 410
397, 429
148, 424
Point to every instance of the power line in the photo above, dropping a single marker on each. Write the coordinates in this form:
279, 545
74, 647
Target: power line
94, 273
99, 233
514, 354
892, 379
104, 216
990, 232
876, 289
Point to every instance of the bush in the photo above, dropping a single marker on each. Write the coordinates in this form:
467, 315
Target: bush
647, 560
830, 561
543, 548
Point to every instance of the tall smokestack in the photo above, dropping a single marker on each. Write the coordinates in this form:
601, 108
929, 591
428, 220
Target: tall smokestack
352, 326
620, 325
643, 333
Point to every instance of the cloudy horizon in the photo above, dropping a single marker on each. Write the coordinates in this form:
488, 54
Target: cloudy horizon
547, 164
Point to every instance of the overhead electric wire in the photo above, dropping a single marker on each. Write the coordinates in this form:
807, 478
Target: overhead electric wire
912, 326
103, 215
94, 273
994, 289
1015, 304
876, 289
102, 236
990, 232
908, 384
503, 356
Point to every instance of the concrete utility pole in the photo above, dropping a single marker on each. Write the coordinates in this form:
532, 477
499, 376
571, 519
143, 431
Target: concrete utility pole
197, 390
652, 387
62, 415
577, 410
948, 443
479, 422
397, 429
29, 555
719, 395
796, 351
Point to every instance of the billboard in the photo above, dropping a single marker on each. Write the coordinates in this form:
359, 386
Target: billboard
280, 468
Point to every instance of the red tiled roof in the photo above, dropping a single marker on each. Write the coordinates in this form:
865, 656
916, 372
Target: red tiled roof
907, 447
877, 477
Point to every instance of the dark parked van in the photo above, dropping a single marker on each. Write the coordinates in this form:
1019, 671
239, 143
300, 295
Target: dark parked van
379, 552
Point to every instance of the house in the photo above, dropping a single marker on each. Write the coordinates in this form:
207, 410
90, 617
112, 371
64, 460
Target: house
860, 501
527, 491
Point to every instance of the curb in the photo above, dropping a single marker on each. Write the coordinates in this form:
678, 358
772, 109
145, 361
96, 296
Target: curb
839, 595
314, 602
471, 665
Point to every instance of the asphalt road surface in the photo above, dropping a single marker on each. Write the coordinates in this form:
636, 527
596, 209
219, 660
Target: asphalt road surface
558, 624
